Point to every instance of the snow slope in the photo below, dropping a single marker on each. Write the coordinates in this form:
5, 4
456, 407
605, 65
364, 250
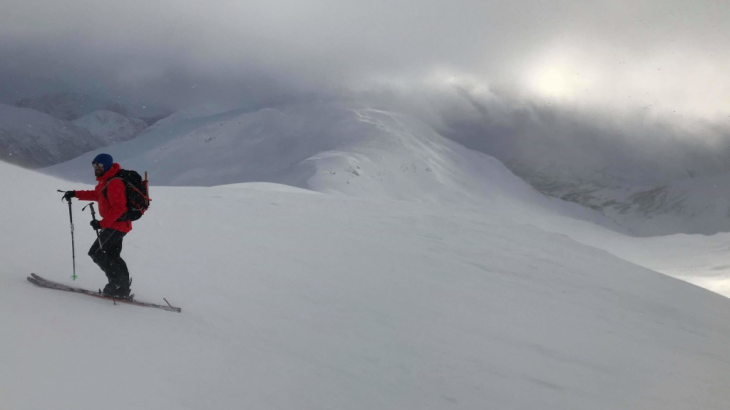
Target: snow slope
33, 139
110, 126
698, 259
299, 300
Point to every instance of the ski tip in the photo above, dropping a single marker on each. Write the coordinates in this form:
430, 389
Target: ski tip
173, 308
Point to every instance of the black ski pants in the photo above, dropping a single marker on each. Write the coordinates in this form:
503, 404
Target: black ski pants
107, 256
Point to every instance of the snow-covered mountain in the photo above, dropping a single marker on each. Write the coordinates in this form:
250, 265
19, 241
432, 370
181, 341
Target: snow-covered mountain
298, 300
636, 169
72, 105
33, 139
328, 147
358, 150
69, 106
692, 205
609, 161
695, 205
111, 127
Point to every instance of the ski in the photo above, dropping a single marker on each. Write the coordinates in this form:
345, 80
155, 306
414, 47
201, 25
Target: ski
42, 282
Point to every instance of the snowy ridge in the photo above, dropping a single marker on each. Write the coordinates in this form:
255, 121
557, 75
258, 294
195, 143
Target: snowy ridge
111, 127
33, 139
328, 147
302, 301
68, 106
698, 205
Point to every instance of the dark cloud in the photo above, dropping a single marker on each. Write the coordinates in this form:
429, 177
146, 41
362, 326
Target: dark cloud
552, 143
182, 51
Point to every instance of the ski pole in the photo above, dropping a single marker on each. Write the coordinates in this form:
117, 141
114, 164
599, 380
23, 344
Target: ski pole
93, 216
73, 246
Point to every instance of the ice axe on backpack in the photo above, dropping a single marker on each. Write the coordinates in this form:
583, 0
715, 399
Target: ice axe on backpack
93, 216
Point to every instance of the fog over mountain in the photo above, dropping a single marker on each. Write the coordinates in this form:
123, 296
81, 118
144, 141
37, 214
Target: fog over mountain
69, 105
110, 126
578, 92
331, 147
583, 100
32, 139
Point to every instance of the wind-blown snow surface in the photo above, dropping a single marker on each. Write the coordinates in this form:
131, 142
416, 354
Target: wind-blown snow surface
299, 300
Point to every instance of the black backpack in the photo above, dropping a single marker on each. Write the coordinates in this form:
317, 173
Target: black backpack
135, 189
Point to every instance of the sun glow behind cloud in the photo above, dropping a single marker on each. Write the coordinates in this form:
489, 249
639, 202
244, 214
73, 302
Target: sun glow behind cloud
652, 56
559, 82
675, 81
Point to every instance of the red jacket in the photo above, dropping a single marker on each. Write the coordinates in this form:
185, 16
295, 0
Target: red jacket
114, 204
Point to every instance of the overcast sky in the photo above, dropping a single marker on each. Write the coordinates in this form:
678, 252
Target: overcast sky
664, 55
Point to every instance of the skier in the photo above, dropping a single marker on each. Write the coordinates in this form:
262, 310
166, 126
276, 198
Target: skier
105, 252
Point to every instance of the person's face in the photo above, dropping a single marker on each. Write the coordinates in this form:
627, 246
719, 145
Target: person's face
98, 169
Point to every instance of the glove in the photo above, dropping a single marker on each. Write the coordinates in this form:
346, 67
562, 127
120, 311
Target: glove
68, 195
96, 225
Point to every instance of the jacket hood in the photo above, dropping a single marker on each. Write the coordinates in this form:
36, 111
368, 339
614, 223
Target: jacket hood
108, 174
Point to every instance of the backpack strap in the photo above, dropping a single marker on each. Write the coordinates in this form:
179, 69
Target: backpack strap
126, 184
103, 190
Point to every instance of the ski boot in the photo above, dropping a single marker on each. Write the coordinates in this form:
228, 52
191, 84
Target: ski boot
117, 289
